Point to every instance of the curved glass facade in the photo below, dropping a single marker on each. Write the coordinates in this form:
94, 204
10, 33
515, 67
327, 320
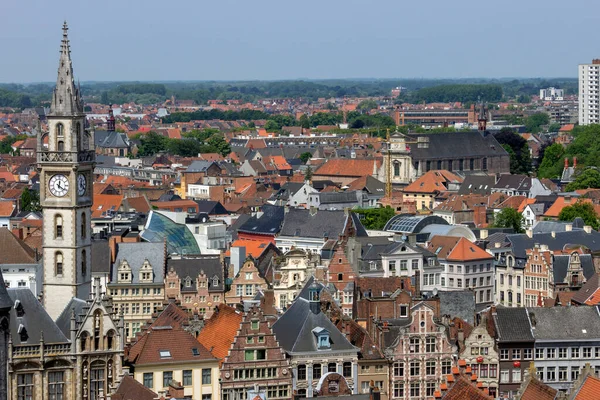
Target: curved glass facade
180, 239
408, 223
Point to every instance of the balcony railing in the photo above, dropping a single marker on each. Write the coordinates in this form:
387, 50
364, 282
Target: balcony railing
66, 156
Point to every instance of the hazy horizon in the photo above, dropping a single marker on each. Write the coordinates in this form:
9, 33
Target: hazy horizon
270, 40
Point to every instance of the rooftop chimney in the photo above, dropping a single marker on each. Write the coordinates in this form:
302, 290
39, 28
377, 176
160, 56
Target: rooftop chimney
574, 162
568, 227
566, 162
529, 233
587, 229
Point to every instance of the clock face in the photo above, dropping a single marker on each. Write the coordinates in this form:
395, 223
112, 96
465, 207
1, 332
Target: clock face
81, 184
59, 185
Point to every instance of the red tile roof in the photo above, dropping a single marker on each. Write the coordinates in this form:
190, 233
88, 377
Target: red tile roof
7, 208
130, 389
562, 202
140, 204
105, 202
537, 390
254, 248
590, 390
433, 182
163, 344
456, 249
220, 330
348, 167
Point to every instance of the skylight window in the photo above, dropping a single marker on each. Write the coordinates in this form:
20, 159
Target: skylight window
164, 353
195, 352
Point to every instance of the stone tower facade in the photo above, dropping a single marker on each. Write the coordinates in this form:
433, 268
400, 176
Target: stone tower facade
66, 161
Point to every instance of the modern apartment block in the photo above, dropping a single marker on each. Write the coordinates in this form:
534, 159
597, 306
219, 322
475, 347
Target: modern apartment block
589, 97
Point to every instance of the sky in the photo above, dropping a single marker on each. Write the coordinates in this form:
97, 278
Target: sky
158, 40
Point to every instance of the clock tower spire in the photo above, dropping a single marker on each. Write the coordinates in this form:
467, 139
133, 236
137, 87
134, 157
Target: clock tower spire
66, 161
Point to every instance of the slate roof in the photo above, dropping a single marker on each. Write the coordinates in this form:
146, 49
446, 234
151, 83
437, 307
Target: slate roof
238, 223
64, 319
477, 184
114, 140
561, 264
294, 330
191, 267
521, 242
269, 223
338, 197
322, 223
100, 256
5, 300
211, 207
456, 145
512, 325
200, 166
576, 323
35, 319
135, 254
458, 303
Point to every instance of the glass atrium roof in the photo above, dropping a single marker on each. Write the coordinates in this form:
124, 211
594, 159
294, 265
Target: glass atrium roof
180, 239
408, 223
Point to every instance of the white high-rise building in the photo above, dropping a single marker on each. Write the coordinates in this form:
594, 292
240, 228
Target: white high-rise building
589, 95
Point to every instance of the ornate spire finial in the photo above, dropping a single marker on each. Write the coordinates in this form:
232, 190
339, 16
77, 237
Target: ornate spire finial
66, 100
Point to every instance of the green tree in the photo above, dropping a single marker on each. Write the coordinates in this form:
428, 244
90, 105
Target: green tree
367, 105
554, 127
304, 121
517, 148
152, 143
583, 210
551, 165
220, 144
184, 147
535, 122
308, 174
30, 200
375, 218
305, 156
585, 179
104, 98
272, 126
509, 218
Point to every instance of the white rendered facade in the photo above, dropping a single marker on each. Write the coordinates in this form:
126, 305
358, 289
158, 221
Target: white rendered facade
589, 95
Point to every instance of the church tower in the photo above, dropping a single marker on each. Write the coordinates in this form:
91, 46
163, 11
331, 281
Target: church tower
66, 162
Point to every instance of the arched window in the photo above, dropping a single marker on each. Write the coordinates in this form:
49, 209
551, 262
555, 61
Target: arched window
60, 130
78, 135
58, 263
58, 226
110, 340
61, 146
83, 263
396, 168
83, 225
83, 340
96, 379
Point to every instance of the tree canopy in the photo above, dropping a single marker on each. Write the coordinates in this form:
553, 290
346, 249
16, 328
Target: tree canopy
517, 148
509, 218
583, 210
30, 200
375, 218
588, 178
535, 122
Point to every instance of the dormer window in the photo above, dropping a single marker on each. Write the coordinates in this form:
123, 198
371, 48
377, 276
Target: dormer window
215, 281
188, 282
22, 331
124, 275
146, 273
322, 336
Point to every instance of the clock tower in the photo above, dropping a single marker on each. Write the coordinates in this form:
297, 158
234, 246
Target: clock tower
65, 156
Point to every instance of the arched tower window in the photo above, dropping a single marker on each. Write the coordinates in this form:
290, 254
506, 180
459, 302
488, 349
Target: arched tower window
78, 135
58, 263
83, 263
396, 168
60, 130
83, 225
83, 340
58, 226
61, 146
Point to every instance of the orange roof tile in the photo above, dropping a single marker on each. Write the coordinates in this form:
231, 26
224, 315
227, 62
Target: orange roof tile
7, 207
348, 167
512, 202
254, 248
432, 182
562, 202
105, 202
524, 204
220, 330
537, 390
590, 389
567, 128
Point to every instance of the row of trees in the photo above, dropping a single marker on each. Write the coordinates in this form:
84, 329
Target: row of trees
190, 145
451, 93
